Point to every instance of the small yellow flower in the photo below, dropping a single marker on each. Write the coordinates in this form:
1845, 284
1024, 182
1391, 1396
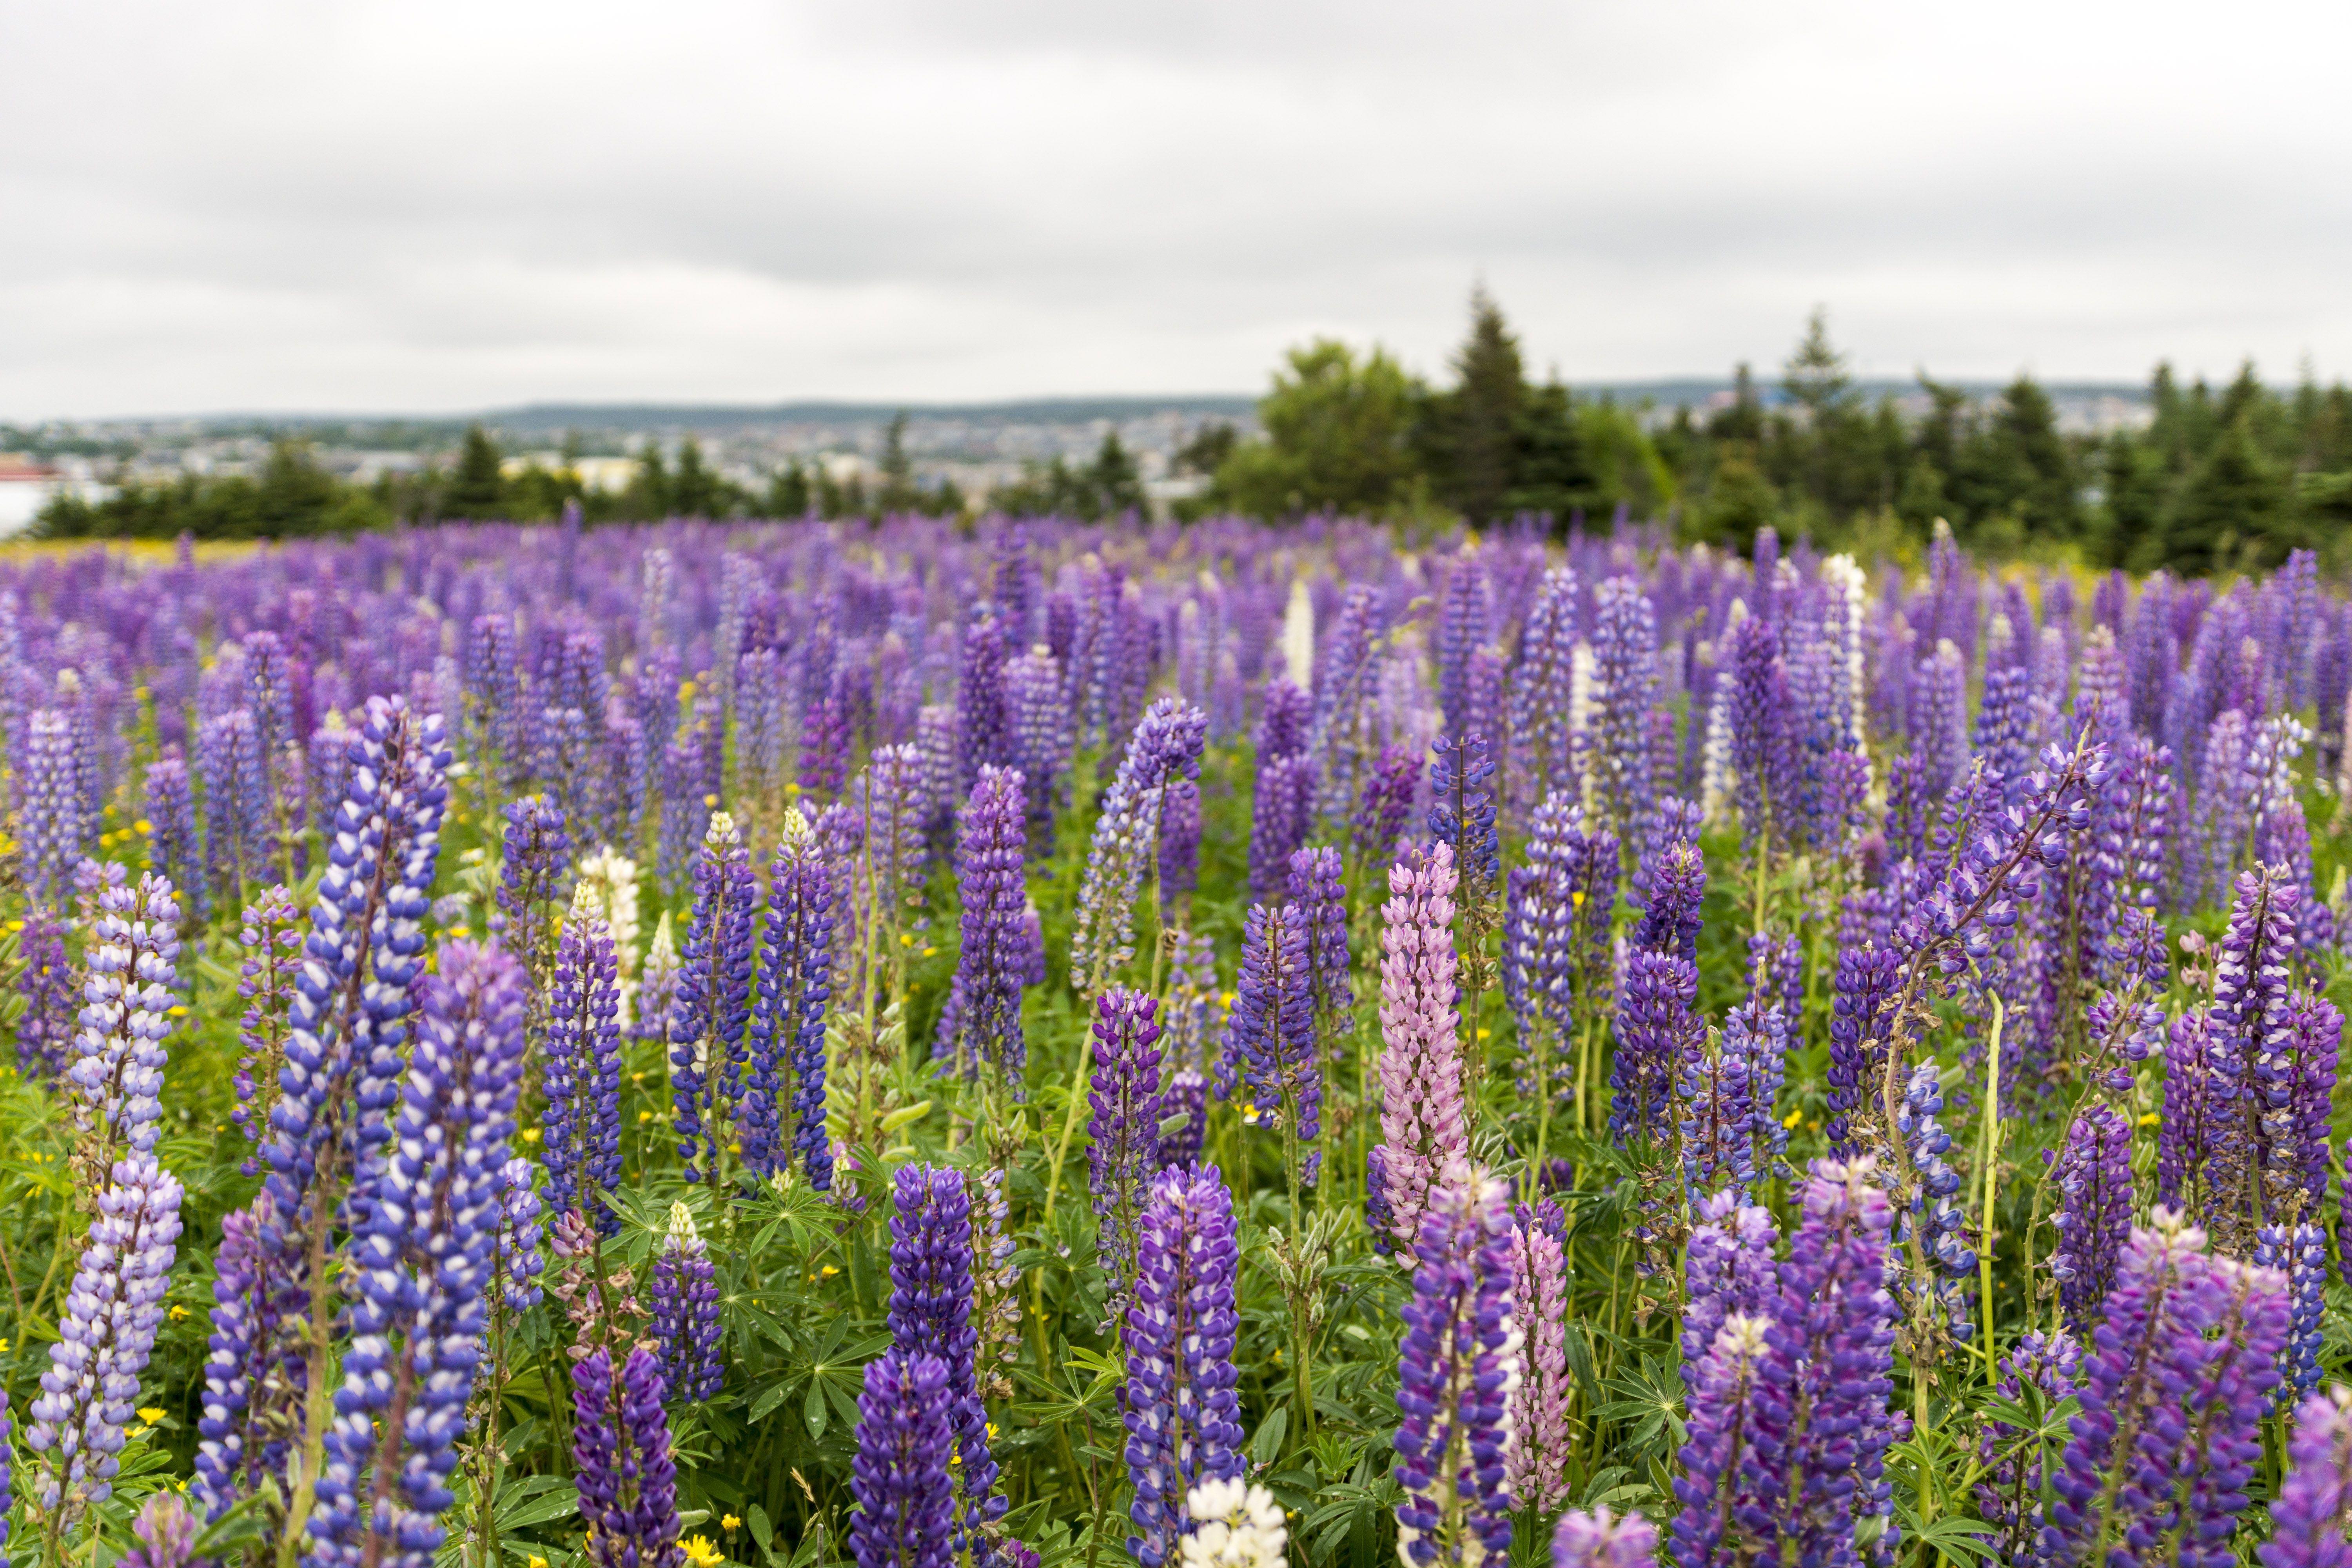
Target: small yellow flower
700, 1552
530, 1134
151, 1413
1792, 1118
829, 1270
178, 1313
711, 801
142, 826
179, 1011
2151, 1119
930, 952
644, 1116
729, 1522
1484, 1033
537, 1562
458, 931
636, 1078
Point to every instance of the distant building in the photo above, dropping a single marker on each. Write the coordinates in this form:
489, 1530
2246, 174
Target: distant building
25, 487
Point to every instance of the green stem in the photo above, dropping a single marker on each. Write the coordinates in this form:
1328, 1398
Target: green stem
1992, 1164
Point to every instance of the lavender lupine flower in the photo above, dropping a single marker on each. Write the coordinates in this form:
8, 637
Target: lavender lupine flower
984, 733
714, 1001
1166, 744
1124, 1127
982, 1023
1726, 1082
2299, 1252
1820, 1407
1624, 685
1763, 751
824, 742
1939, 716
538, 851
1656, 1025
1271, 1031
1728, 1268
1424, 1136
1462, 808
1383, 806
930, 1314
248, 1394
237, 795
1540, 684
424, 1258
1935, 1206
1536, 1459
348, 1021
1458, 1367
684, 1303
686, 805
1187, 1095
1465, 623
657, 986
2193, 1115
2011, 1494
166, 1532
905, 1514
1597, 1539
1322, 899
2172, 1398
1041, 733
788, 1020
996, 1289
49, 802
173, 846
581, 1068
2311, 1514
1674, 877
1184, 1418
1180, 843
115, 1078
1865, 993
45, 1031
621, 1462
266, 984
2093, 1220
520, 1227
2255, 1085
105, 1335
1282, 810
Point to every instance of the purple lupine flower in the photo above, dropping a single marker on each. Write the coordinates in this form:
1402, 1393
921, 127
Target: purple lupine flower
166, 1532
581, 1067
1462, 808
1282, 810
115, 1076
1187, 1095
1465, 623
1166, 745
237, 796
2172, 1398
657, 998
1763, 752
1726, 1082
824, 742
686, 804
1825, 1375
983, 733
1722, 1476
1180, 843
1184, 1418
1458, 1361
1935, 1207
1673, 875
713, 1007
519, 1262
2311, 1514
173, 846
2255, 1085
684, 1306
1727, 1269
1042, 735
890, 793
348, 1022
1124, 1127
1624, 685
2191, 1127
49, 802
45, 1030
1321, 897
2011, 1494
1271, 1031
1909, 800
905, 1514
249, 1397
621, 1462
424, 1258
105, 1335
787, 1032
1542, 684
1425, 1134
1597, 1539
1938, 716
2300, 1252
1536, 1459
538, 850
1656, 1025
1382, 806
2093, 1220
930, 1314
982, 1023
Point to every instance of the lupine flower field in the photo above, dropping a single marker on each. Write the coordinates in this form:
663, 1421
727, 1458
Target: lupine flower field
1212, 1046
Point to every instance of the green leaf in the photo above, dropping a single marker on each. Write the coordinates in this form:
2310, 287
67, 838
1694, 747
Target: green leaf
240, 1525
769, 1398
1172, 1125
763, 1532
812, 1408
1266, 1446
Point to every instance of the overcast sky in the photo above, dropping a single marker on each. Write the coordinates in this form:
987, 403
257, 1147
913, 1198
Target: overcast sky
305, 205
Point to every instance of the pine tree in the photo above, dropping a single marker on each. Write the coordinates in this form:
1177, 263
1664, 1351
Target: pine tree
478, 486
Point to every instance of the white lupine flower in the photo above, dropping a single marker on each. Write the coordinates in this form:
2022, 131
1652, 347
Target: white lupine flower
1234, 1526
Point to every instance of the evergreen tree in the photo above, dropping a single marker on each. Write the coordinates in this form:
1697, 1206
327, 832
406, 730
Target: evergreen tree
1113, 484
478, 486
897, 492
694, 490
788, 491
1471, 434
2233, 514
1551, 471
2032, 470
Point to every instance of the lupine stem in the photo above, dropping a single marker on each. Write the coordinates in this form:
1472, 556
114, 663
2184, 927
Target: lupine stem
1991, 1159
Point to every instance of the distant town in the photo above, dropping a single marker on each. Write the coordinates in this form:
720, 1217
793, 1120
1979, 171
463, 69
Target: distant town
978, 450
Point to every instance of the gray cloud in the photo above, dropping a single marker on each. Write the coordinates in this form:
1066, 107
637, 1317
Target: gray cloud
271, 205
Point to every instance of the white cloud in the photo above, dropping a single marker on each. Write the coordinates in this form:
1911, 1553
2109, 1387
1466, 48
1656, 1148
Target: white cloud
265, 204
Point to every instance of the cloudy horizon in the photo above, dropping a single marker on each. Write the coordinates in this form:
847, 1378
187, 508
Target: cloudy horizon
430, 208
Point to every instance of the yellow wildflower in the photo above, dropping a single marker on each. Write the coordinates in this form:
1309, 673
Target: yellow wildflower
700, 1552
729, 1522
